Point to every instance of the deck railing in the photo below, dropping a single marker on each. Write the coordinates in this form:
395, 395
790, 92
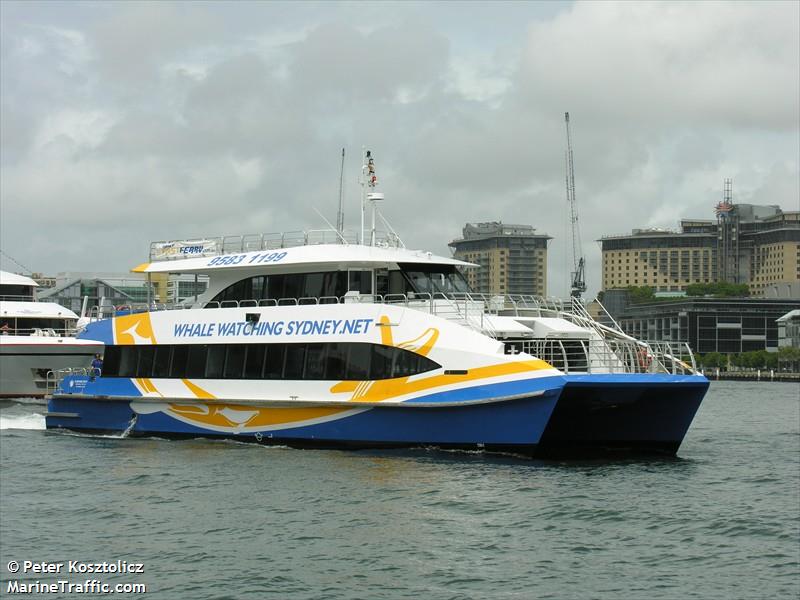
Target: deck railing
252, 242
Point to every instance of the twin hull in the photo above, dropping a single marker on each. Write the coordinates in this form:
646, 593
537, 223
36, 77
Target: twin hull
478, 398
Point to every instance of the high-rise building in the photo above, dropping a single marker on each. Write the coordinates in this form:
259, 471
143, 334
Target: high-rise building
512, 258
750, 244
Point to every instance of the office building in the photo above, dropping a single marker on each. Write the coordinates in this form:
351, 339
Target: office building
512, 258
747, 244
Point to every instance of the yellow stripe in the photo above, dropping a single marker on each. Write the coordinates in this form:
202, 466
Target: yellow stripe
141, 268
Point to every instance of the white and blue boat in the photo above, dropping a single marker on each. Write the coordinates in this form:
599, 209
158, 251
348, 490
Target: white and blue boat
305, 343
306, 340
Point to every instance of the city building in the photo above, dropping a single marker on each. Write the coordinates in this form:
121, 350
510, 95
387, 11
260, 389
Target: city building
725, 325
120, 289
749, 244
512, 258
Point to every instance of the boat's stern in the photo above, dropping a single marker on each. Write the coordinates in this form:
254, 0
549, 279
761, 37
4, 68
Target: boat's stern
631, 413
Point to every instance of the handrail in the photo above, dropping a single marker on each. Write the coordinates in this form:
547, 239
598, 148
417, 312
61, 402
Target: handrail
251, 242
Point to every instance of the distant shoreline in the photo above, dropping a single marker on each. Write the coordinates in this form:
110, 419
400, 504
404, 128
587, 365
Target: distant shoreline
764, 375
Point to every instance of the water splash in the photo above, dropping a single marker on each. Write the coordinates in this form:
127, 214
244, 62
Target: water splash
27, 421
130, 426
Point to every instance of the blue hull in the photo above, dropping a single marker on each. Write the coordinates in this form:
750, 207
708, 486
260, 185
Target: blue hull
625, 413
505, 425
589, 415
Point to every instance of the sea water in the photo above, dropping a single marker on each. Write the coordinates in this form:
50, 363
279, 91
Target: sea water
211, 519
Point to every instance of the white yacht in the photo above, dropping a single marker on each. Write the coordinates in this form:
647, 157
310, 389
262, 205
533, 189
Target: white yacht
35, 338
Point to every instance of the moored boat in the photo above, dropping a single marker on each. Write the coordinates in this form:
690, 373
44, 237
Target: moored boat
36, 338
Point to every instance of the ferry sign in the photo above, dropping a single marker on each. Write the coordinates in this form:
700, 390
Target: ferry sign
184, 248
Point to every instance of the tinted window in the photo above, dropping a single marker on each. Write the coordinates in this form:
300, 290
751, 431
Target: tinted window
161, 361
180, 355
146, 357
254, 364
196, 365
215, 361
314, 361
358, 359
234, 362
128, 360
276, 354
295, 361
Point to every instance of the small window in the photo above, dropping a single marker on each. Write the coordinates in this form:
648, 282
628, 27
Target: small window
216, 361
146, 358
358, 360
315, 361
254, 364
295, 360
234, 361
180, 356
196, 363
273, 368
161, 363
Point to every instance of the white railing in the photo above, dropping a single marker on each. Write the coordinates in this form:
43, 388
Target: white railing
251, 242
54, 378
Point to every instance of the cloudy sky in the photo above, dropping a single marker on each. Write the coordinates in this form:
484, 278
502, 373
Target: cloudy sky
124, 123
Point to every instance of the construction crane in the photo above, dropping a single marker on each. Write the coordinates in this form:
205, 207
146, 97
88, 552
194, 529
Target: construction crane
577, 283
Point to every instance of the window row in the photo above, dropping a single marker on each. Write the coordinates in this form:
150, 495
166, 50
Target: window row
331, 361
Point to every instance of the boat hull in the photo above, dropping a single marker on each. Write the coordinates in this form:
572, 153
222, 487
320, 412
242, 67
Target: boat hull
501, 422
631, 414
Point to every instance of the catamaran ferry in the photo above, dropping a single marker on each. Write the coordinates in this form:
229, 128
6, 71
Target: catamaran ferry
304, 340
347, 345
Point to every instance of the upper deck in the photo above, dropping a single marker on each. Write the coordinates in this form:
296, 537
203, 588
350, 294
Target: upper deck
284, 250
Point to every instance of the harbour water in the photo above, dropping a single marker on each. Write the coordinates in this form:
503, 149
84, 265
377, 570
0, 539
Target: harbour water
211, 520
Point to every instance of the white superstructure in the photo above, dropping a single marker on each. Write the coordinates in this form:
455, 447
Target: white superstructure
35, 338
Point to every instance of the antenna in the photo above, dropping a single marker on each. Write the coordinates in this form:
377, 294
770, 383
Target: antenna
578, 285
340, 214
369, 180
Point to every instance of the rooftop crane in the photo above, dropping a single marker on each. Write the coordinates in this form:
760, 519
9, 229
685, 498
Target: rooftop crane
577, 283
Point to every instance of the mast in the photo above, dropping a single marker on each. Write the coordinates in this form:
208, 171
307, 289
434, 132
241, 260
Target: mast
577, 285
340, 214
368, 181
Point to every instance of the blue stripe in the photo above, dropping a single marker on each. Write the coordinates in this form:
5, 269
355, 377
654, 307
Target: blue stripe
494, 390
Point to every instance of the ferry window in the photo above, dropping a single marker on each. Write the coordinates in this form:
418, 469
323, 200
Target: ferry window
336, 360
381, 282
258, 288
196, 363
146, 357
216, 361
295, 358
275, 286
254, 364
273, 369
381, 362
127, 361
161, 361
313, 285
360, 281
180, 355
111, 360
397, 283
234, 361
294, 285
358, 362
315, 361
